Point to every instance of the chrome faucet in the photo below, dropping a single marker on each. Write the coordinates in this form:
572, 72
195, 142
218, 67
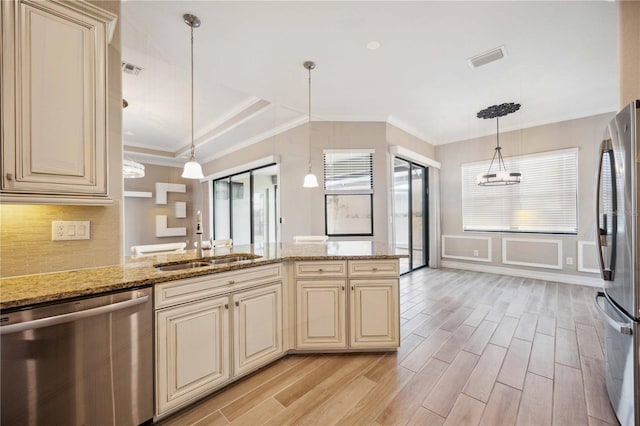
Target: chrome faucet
199, 236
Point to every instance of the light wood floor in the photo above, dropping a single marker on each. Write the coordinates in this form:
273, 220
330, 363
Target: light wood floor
476, 349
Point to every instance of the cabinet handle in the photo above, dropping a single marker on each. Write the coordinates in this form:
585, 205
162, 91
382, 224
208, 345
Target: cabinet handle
342, 288
237, 303
232, 282
226, 306
375, 269
351, 288
9, 176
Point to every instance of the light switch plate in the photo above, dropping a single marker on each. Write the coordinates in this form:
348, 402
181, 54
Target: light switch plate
65, 230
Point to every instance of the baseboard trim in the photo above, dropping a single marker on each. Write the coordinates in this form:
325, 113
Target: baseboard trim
523, 273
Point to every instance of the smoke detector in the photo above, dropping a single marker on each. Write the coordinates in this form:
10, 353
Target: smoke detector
128, 68
487, 57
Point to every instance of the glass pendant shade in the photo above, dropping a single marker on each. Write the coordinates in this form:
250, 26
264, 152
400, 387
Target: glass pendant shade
132, 169
310, 181
192, 170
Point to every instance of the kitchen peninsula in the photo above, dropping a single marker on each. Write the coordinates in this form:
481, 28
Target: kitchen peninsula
219, 318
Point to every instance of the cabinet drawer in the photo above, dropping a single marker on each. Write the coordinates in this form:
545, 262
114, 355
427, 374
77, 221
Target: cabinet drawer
372, 268
182, 291
316, 269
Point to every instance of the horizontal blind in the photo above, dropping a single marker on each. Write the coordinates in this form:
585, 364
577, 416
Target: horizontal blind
546, 200
348, 171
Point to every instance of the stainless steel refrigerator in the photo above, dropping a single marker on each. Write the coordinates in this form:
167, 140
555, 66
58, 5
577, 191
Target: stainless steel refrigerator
618, 242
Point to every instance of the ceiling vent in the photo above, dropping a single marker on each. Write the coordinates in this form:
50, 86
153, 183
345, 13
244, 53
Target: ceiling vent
128, 68
486, 57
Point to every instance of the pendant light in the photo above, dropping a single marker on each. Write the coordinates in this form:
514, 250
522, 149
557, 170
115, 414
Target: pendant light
310, 180
501, 176
132, 169
192, 169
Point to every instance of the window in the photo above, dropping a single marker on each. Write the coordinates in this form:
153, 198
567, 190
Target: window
546, 201
348, 185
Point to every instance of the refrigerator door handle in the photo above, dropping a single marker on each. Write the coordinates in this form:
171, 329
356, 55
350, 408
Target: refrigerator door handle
602, 232
618, 326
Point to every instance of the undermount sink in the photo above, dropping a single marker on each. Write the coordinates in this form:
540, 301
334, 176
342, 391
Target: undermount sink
181, 266
233, 258
217, 260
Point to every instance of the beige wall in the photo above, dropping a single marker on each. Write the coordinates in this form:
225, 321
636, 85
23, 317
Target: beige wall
303, 208
25, 231
629, 50
140, 213
584, 133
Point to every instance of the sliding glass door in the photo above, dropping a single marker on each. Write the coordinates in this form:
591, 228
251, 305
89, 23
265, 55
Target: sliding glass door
245, 206
410, 197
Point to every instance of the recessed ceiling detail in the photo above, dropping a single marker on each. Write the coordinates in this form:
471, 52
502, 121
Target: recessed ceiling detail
487, 57
418, 81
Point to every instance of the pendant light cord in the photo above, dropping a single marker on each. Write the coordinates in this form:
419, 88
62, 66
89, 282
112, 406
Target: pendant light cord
309, 69
193, 147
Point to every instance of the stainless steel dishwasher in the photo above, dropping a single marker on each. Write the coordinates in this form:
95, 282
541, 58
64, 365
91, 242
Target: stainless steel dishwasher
84, 362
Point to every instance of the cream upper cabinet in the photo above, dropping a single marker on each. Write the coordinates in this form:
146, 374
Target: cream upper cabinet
192, 351
257, 320
54, 102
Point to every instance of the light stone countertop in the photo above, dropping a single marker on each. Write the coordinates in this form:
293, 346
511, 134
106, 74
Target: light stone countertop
28, 290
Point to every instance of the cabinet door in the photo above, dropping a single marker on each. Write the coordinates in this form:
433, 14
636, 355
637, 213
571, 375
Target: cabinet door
54, 135
374, 307
257, 333
320, 314
192, 351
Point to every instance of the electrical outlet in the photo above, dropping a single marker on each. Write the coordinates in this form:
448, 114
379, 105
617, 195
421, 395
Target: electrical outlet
476, 253
569, 260
65, 230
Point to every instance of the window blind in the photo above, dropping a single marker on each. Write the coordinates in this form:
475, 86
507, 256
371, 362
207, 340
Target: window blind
546, 201
348, 171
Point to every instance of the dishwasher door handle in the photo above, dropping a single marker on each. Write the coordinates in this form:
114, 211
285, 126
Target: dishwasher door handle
72, 316
620, 327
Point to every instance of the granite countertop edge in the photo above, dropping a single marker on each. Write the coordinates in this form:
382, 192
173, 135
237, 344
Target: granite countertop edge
31, 290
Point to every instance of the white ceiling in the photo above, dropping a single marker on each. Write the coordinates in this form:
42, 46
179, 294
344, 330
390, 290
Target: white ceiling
250, 83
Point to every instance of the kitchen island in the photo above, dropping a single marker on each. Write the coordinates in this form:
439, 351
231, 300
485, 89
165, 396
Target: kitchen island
29, 290
222, 316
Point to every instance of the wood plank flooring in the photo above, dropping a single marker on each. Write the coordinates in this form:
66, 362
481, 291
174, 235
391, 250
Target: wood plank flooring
477, 349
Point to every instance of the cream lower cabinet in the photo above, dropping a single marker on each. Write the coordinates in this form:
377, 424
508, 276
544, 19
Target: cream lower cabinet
192, 351
327, 296
257, 337
320, 313
213, 329
374, 313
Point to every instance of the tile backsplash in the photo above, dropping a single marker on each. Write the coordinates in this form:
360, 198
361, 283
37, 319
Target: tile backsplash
26, 246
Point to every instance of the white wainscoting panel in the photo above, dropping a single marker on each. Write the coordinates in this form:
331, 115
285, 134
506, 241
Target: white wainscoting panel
528, 257
588, 247
464, 237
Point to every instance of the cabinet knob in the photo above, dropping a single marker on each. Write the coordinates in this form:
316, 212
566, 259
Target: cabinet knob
232, 282
320, 270
9, 176
237, 303
226, 306
374, 269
